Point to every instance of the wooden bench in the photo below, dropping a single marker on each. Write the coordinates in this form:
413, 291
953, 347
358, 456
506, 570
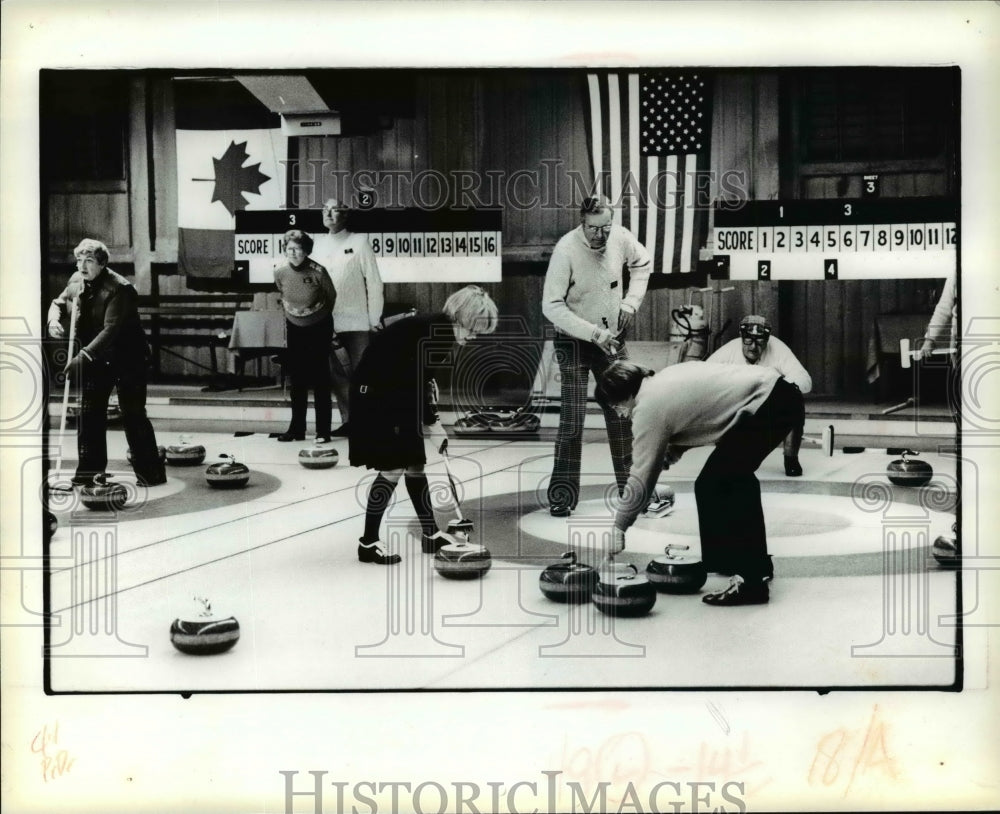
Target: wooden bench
190, 321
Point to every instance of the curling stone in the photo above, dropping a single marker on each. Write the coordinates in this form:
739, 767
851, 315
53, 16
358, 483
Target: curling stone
662, 502
185, 454
161, 453
676, 574
204, 634
945, 548
906, 471
623, 591
459, 558
319, 457
227, 474
104, 496
49, 525
568, 581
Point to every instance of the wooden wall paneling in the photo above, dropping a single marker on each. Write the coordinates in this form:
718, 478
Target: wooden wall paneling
138, 225
831, 337
813, 339
58, 248
765, 138
855, 336
165, 169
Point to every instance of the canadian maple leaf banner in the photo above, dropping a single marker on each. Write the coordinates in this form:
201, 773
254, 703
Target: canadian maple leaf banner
229, 149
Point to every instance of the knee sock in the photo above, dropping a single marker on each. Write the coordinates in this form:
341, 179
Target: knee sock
379, 497
420, 494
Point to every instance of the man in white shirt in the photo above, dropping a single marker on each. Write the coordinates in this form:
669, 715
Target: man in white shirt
583, 298
744, 412
756, 346
351, 264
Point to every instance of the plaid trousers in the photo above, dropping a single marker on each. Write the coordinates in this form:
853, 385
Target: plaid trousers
577, 359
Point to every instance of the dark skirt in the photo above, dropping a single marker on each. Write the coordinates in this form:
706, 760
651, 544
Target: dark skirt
389, 396
384, 434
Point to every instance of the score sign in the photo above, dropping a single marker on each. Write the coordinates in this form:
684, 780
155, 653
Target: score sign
838, 239
411, 245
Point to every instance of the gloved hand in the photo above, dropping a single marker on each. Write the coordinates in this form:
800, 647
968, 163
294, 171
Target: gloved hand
56, 330
606, 341
74, 366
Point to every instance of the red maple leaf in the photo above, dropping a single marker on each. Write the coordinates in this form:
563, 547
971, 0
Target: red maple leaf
232, 179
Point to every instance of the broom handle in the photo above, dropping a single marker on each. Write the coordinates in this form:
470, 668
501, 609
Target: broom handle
65, 400
451, 484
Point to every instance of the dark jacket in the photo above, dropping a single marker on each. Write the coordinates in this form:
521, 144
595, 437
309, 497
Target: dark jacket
107, 325
390, 397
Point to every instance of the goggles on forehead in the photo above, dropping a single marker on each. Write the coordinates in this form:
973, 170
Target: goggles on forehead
755, 331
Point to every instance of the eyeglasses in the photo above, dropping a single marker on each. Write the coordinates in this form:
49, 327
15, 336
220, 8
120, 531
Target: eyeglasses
750, 339
598, 230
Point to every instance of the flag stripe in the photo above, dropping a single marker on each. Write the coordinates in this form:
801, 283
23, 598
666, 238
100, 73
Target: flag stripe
633, 151
596, 131
664, 119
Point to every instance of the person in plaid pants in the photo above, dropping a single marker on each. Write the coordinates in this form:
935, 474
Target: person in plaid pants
584, 300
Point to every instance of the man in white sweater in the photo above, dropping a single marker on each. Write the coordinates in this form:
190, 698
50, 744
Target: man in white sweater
756, 346
745, 412
583, 298
351, 264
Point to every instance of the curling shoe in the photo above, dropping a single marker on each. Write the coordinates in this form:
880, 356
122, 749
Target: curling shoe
739, 592
373, 552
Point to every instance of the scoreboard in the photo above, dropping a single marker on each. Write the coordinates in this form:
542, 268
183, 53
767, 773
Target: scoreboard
411, 245
868, 238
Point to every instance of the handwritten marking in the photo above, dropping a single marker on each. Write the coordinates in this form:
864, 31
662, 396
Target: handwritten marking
835, 748
720, 719
55, 762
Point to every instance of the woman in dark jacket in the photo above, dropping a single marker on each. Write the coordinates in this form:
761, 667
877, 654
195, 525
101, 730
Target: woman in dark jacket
393, 403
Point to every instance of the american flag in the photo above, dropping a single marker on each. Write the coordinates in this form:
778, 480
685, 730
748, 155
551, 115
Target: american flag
650, 137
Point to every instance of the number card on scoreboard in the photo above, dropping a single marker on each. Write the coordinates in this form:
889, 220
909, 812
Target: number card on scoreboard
411, 245
870, 238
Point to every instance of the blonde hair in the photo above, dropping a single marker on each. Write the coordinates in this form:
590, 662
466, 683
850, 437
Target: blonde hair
90, 246
472, 308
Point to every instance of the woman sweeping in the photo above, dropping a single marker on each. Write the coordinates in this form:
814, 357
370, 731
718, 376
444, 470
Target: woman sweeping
393, 406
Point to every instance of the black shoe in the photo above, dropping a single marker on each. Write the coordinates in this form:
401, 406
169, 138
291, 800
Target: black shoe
793, 468
560, 510
342, 431
739, 592
157, 480
291, 436
373, 552
323, 439
431, 543
82, 480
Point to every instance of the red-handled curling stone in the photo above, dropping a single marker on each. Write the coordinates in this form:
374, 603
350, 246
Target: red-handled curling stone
185, 454
623, 591
103, 495
204, 634
907, 471
676, 574
319, 457
568, 581
945, 548
227, 474
459, 558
